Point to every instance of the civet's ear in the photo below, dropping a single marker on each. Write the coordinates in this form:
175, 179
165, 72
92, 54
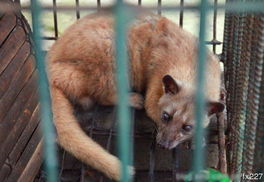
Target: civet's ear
215, 107
170, 85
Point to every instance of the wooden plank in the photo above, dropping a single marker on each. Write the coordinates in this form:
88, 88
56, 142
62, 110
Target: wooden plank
9, 143
33, 166
20, 110
7, 24
16, 85
18, 107
14, 67
10, 47
26, 155
13, 135
5, 172
25, 137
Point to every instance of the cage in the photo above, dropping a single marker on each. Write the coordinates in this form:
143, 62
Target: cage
240, 134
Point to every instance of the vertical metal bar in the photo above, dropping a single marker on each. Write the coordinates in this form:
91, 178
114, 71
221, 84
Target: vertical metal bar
77, 10
55, 19
214, 25
122, 77
181, 13
46, 114
159, 7
108, 145
198, 162
152, 160
98, 5
139, 2
175, 163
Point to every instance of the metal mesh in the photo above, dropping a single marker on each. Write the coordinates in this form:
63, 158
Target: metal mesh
214, 41
243, 57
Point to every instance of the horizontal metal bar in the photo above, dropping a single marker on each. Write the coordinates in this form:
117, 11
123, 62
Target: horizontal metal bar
212, 42
229, 7
49, 38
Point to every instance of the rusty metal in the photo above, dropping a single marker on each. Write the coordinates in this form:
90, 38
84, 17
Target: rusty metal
257, 52
242, 92
259, 146
228, 62
226, 59
233, 88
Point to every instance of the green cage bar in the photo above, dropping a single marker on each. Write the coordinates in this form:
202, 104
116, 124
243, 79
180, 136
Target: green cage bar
122, 77
44, 94
198, 161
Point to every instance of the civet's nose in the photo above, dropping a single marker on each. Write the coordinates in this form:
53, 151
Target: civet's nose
166, 144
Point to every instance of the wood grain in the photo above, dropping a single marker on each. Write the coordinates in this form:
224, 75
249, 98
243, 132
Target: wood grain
26, 156
14, 67
10, 47
33, 165
17, 118
16, 86
7, 24
25, 136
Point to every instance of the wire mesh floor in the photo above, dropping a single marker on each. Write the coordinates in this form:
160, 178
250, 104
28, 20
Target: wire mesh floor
151, 162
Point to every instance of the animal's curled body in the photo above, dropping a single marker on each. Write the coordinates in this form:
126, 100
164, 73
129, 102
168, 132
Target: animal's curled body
163, 61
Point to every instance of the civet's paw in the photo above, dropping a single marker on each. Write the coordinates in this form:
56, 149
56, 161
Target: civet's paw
136, 100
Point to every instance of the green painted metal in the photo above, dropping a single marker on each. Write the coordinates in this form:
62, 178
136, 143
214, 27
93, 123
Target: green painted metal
44, 94
198, 162
212, 175
122, 76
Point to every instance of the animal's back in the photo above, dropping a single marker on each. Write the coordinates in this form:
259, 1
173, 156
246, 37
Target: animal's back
155, 44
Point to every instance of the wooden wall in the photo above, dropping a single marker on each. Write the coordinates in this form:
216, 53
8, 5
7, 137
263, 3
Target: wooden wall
20, 141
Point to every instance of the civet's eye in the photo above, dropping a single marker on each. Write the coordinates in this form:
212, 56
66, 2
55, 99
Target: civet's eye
187, 128
165, 117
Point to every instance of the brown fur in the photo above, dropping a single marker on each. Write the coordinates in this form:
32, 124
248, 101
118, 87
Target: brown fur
81, 68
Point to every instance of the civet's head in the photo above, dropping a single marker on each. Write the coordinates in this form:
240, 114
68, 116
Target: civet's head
177, 120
